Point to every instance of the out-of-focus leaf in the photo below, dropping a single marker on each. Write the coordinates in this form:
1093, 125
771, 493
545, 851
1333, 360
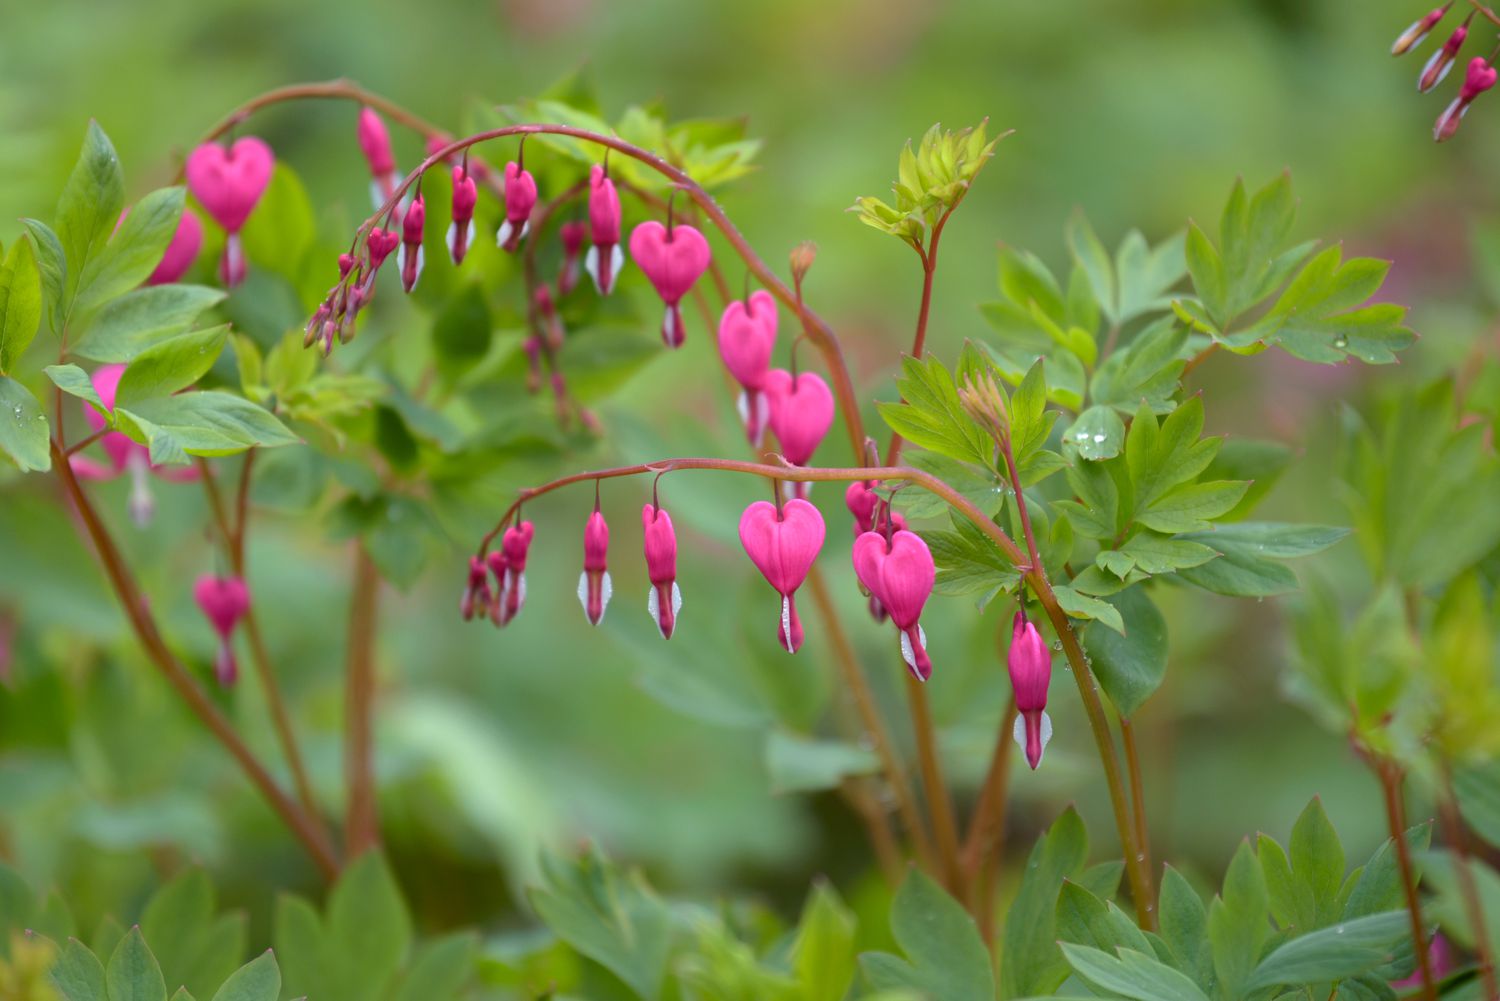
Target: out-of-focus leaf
945, 957
20, 303
799, 764
24, 432
1030, 961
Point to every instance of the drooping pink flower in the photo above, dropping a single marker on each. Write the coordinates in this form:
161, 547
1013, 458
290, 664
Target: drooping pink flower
514, 544
476, 597
1442, 60
409, 259
747, 336
604, 259
520, 199
665, 600
1479, 78
1030, 664
125, 455
573, 233
224, 602
375, 143
461, 229
900, 574
1418, 30
801, 412
673, 259
783, 544
594, 584
181, 252
228, 183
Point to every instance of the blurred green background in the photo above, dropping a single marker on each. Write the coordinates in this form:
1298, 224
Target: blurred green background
1140, 113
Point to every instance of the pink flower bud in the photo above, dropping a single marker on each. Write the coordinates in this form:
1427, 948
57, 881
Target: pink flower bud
520, 199
573, 234
665, 599
224, 601
380, 244
801, 413
461, 229
514, 544
783, 544
862, 500
1413, 35
496, 563
1442, 60
181, 252
604, 259
409, 260
900, 574
476, 596
375, 142
594, 584
1030, 664
1478, 78
672, 260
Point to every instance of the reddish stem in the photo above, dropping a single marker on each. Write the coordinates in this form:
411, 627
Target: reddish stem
1389, 775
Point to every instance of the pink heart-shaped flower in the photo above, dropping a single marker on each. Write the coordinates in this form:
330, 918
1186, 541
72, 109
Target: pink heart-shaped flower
901, 576
801, 411
747, 335
1479, 78
223, 600
229, 182
672, 261
783, 546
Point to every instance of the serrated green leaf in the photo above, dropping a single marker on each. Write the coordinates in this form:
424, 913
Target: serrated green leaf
1081, 606
1334, 953
1191, 507
1131, 974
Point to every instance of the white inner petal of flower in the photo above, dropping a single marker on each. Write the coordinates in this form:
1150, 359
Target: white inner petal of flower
786, 623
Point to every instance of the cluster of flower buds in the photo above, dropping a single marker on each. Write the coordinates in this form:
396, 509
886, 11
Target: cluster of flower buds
228, 182
1479, 76
224, 601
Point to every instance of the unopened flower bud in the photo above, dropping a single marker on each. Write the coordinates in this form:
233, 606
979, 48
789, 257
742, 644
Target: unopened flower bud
375, 143
665, 599
1442, 60
1479, 78
515, 543
520, 199
605, 258
1030, 665
802, 257
409, 260
1418, 30
594, 584
476, 596
461, 229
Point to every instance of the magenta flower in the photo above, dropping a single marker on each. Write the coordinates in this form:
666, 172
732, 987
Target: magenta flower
476, 597
1418, 30
665, 599
1479, 78
224, 601
125, 455
1442, 60
604, 259
520, 199
899, 573
573, 234
375, 143
673, 259
747, 336
1030, 664
514, 544
594, 585
801, 412
862, 500
461, 229
228, 183
783, 543
181, 252
1439, 957
409, 258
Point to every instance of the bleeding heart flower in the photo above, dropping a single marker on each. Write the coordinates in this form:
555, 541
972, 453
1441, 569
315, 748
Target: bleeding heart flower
228, 183
673, 259
375, 143
572, 233
1479, 78
801, 412
520, 199
461, 229
900, 574
514, 544
1030, 664
594, 584
224, 601
604, 259
783, 544
181, 252
747, 336
665, 600
409, 259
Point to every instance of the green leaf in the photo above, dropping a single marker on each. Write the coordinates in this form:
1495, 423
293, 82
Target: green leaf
1191, 507
132, 973
440, 969
1260, 462
301, 946
1239, 921
1157, 554
1097, 434
1334, 953
1319, 318
1379, 887
1131, 974
945, 957
134, 251
931, 416
968, 562
1317, 858
257, 980
170, 366
76, 382
1162, 456
1030, 961
20, 303
201, 423
1084, 919
24, 433
1147, 370
1145, 275
369, 929
1130, 667
128, 325
1184, 926
1030, 421
823, 951
803, 764
53, 266
1093, 260
89, 206
462, 332
1248, 551
77, 974
282, 228
1478, 789
1081, 606
195, 948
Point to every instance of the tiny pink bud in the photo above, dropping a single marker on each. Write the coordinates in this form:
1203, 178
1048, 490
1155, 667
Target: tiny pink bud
1030, 664
673, 260
223, 601
461, 229
900, 575
594, 584
1442, 60
801, 412
665, 599
747, 335
476, 596
1418, 30
514, 544
783, 544
181, 252
520, 199
409, 260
